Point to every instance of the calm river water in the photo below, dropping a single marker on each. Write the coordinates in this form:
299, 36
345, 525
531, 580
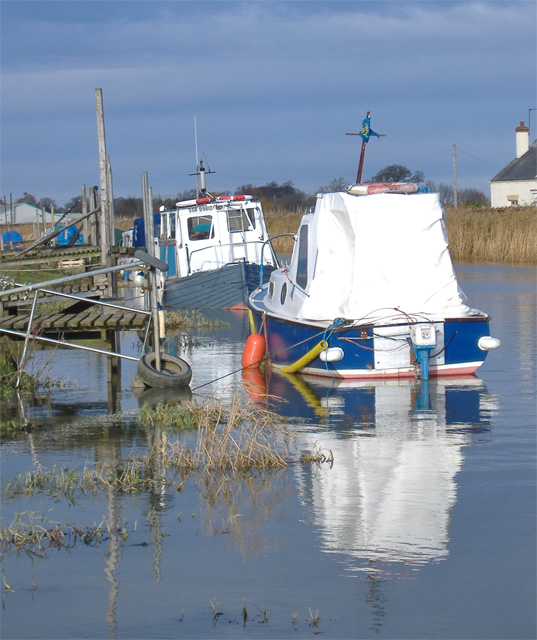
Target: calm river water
424, 527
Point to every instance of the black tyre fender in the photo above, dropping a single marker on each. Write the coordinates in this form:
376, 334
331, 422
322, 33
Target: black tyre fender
175, 372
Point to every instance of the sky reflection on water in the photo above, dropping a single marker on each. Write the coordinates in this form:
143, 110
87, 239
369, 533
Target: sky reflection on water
423, 527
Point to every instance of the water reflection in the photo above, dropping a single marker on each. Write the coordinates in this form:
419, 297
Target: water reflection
398, 446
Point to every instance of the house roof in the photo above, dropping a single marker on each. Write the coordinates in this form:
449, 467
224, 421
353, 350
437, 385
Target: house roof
523, 168
16, 205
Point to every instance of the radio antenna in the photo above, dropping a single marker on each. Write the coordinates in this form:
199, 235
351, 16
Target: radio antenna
200, 169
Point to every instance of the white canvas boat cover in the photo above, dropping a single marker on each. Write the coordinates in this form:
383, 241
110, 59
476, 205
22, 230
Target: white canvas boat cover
378, 253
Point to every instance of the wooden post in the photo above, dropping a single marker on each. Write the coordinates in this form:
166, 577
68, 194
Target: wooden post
455, 194
93, 223
111, 225
111, 214
84, 203
106, 253
149, 229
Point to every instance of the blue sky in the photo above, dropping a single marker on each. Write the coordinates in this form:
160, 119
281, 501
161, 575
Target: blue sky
274, 86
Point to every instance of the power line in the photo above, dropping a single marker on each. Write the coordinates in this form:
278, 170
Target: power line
480, 159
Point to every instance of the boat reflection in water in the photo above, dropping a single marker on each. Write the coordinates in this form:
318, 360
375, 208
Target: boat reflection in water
397, 446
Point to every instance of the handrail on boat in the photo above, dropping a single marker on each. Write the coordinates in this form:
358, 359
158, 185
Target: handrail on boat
235, 244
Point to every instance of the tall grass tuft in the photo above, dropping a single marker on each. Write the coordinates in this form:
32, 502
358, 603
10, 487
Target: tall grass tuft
238, 438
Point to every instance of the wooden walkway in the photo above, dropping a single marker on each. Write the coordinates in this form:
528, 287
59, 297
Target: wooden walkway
90, 320
47, 255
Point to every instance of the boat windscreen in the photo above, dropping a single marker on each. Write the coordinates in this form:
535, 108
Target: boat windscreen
242, 219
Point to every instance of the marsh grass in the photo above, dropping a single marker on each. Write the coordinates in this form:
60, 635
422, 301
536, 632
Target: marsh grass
32, 378
507, 236
10, 354
175, 417
34, 534
130, 475
237, 438
502, 236
190, 319
280, 221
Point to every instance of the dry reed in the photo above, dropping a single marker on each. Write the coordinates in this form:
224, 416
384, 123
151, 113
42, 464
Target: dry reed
507, 236
501, 236
239, 438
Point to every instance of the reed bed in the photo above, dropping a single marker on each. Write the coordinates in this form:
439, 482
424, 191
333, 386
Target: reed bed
31, 531
500, 236
506, 236
281, 221
235, 439
239, 438
131, 475
190, 319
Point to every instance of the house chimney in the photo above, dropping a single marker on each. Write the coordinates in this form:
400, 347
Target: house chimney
522, 140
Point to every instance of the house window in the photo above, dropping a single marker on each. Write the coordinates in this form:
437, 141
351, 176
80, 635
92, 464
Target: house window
534, 195
513, 201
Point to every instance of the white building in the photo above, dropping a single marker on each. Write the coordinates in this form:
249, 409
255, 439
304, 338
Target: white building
516, 184
22, 213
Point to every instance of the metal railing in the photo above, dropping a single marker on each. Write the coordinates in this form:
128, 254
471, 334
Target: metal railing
141, 259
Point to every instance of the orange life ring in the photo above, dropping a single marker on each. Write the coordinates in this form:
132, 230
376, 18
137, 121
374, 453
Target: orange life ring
370, 188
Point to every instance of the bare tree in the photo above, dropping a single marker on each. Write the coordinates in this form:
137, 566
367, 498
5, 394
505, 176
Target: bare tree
398, 173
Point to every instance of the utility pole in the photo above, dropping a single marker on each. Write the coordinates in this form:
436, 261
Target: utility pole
455, 196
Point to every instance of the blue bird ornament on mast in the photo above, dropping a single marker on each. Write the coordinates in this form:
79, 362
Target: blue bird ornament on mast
365, 133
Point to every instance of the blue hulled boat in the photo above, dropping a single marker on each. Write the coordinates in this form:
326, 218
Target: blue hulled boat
370, 292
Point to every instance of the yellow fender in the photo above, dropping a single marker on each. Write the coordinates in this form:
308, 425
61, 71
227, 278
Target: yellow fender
252, 323
307, 358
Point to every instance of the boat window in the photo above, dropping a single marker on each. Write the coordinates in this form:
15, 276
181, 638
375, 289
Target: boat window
171, 226
302, 267
200, 227
163, 225
283, 293
240, 219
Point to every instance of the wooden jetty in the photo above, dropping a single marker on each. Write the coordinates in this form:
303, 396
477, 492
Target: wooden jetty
80, 325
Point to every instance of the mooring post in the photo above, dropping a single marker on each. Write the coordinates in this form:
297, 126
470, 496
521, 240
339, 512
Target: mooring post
93, 223
106, 253
84, 201
149, 229
114, 363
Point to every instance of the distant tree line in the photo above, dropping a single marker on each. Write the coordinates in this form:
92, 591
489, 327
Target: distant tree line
285, 196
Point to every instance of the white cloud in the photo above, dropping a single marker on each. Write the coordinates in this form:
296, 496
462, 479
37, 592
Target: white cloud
273, 84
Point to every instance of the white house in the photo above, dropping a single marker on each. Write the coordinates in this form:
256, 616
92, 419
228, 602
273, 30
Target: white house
23, 213
516, 184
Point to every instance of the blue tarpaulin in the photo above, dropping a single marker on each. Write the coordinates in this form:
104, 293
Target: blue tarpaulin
66, 236
138, 235
14, 237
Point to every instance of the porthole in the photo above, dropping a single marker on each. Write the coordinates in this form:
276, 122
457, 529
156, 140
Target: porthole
283, 293
271, 289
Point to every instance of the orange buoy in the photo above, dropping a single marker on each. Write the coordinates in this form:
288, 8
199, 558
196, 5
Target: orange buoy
254, 350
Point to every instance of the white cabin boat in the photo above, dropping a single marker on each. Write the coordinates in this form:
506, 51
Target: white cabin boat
370, 292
